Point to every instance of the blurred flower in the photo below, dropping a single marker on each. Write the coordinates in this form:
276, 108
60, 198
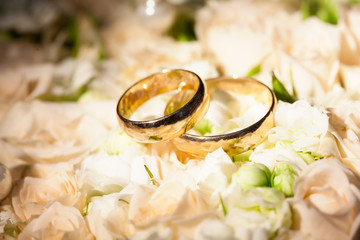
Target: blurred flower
240, 39
57, 222
43, 185
344, 120
23, 84
213, 229
8, 222
5, 181
326, 201
316, 46
350, 37
55, 132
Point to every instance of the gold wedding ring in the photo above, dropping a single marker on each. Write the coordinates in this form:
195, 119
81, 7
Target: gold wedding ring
237, 141
173, 124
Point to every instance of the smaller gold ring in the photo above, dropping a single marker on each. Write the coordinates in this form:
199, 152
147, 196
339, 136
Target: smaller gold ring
237, 141
171, 125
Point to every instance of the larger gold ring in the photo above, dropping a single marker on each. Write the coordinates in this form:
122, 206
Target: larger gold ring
171, 125
237, 141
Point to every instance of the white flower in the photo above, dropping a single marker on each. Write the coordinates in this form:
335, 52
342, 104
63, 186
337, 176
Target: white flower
257, 213
213, 229
138, 172
108, 216
101, 169
326, 201
279, 153
57, 222
300, 124
215, 174
159, 233
149, 202
56, 132
118, 142
202, 68
45, 184
345, 126
5, 181
316, 46
240, 39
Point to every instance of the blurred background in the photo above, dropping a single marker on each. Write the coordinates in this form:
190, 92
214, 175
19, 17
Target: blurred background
79, 45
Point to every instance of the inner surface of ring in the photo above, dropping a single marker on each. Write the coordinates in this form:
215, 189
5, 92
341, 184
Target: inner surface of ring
155, 85
258, 92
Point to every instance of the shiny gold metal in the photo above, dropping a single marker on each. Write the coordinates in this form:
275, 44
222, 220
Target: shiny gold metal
237, 141
173, 124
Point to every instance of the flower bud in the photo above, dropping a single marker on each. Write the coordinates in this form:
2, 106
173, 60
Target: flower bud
283, 177
250, 176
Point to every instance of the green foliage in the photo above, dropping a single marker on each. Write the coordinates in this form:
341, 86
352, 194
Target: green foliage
326, 10
280, 91
255, 70
182, 28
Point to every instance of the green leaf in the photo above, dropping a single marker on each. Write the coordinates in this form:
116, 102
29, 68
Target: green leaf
72, 97
203, 127
11, 230
150, 175
122, 200
242, 157
325, 10
182, 28
223, 205
255, 70
280, 91
309, 157
73, 40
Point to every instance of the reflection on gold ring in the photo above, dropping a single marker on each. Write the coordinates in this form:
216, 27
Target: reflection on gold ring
173, 124
237, 141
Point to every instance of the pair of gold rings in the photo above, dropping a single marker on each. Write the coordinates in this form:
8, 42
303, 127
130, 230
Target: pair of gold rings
181, 116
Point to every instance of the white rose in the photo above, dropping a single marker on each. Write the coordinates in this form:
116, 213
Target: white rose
57, 222
316, 45
326, 203
55, 132
172, 204
100, 170
45, 184
344, 120
108, 216
241, 39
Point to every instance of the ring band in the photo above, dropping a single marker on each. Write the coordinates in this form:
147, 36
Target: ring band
171, 125
237, 141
